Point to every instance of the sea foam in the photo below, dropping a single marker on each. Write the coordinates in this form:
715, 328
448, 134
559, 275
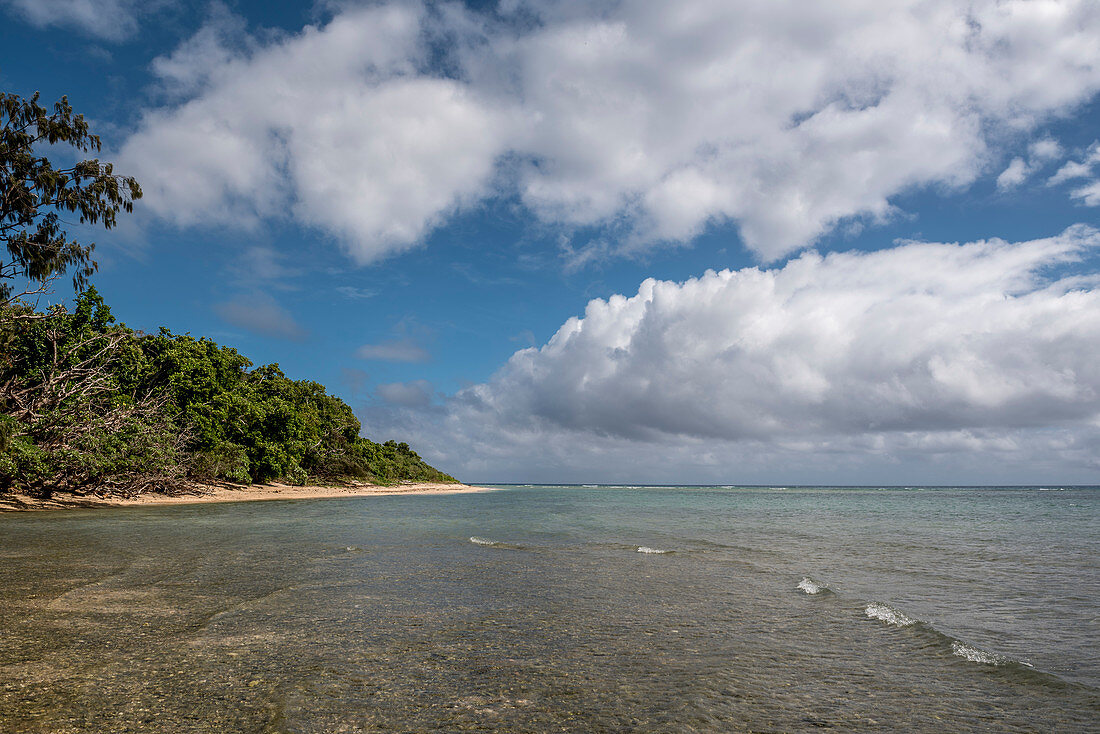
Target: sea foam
810, 586
889, 615
647, 549
484, 541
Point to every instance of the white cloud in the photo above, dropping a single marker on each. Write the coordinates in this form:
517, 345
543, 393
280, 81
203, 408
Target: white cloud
112, 20
785, 117
1044, 150
400, 350
1070, 171
198, 59
1016, 173
653, 118
1040, 153
333, 125
261, 314
902, 357
1089, 194
1088, 169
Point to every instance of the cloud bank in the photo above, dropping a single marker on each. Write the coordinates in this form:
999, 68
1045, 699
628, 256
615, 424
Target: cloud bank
653, 120
849, 363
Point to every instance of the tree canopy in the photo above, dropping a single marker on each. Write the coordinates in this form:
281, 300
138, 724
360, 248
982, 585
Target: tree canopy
34, 195
92, 405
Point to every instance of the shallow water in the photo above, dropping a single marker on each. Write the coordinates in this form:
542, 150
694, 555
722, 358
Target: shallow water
559, 609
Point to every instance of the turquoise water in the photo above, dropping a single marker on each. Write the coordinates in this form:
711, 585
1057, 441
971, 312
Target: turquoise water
560, 609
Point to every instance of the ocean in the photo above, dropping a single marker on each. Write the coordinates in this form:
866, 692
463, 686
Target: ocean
560, 608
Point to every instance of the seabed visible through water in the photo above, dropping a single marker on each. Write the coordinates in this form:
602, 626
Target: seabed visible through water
559, 609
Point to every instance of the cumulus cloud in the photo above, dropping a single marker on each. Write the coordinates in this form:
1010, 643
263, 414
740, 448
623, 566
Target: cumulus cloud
334, 125
654, 119
1044, 150
1040, 153
261, 314
1016, 173
398, 350
842, 361
111, 20
1086, 174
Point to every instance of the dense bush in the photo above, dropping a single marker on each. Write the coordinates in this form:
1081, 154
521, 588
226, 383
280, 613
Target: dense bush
87, 404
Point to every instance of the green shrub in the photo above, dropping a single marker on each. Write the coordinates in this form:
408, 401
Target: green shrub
95, 406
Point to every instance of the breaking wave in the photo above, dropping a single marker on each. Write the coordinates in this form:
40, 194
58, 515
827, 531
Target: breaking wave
889, 615
810, 586
975, 655
483, 541
647, 549
944, 642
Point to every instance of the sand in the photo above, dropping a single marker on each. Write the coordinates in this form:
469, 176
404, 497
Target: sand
230, 493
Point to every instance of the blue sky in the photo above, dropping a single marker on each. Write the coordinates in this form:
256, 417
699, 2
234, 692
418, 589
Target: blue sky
398, 199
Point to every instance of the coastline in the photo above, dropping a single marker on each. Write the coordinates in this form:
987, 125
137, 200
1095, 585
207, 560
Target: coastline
230, 493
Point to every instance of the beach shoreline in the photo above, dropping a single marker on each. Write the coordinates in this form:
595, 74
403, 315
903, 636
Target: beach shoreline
202, 494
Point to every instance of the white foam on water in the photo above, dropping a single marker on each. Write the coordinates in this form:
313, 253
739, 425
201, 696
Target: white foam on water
810, 586
483, 541
1052, 489
646, 549
975, 655
889, 615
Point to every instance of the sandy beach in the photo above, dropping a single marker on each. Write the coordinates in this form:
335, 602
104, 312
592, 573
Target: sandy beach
229, 493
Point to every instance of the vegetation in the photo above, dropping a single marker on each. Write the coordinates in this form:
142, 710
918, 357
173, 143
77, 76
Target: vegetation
33, 195
89, 405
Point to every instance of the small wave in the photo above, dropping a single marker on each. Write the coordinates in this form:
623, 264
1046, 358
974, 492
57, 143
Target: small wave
484, 541
1052, 489
975, 655
889, 615
810, 586
647, 549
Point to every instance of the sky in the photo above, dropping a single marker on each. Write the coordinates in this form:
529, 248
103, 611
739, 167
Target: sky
710, 241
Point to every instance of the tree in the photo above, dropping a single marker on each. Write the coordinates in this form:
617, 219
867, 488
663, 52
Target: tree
34, 195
